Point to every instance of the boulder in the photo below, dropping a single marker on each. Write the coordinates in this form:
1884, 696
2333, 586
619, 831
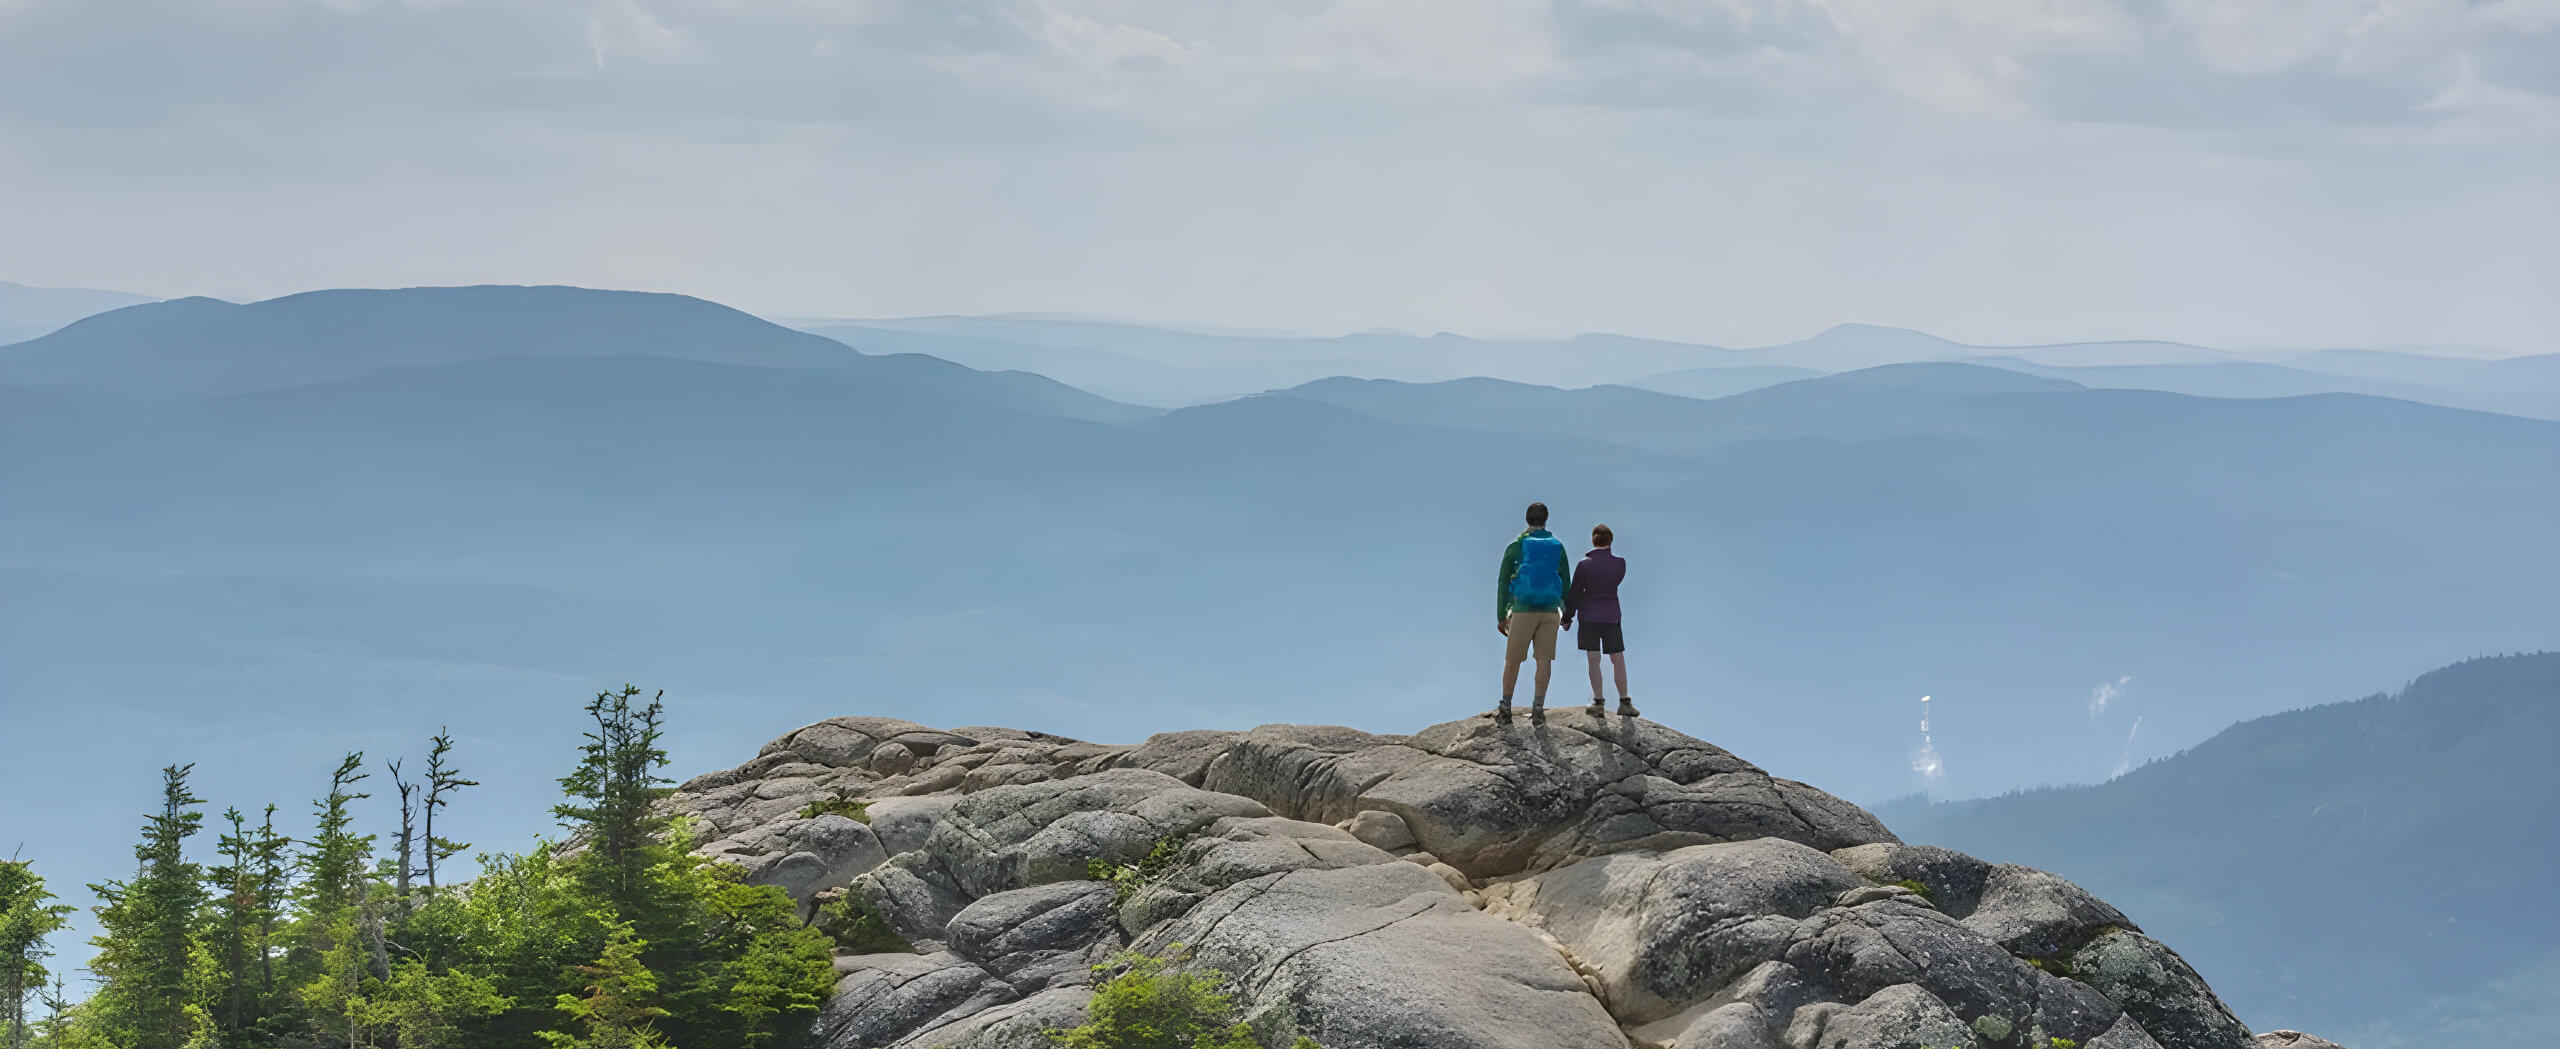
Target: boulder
1386, 954
892, 759
817, 854
2157, 988
2285, 1039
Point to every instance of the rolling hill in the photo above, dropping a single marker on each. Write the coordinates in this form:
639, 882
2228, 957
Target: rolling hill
2419, 815
27, 312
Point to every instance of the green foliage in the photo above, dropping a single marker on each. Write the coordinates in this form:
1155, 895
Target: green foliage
621, 939
849, 919
27, 920
1151, 1005
421, 1008
1918, 888
146, 946
849, 808
617, 1009
1127, 878
613, 796
247, 891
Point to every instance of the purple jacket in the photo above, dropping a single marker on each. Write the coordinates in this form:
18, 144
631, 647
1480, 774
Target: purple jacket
1594, 595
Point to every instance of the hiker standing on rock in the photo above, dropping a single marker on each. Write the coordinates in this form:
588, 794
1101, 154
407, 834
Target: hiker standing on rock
1529, 607
1594, 597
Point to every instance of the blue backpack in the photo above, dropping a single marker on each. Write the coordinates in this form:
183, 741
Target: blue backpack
1539, 582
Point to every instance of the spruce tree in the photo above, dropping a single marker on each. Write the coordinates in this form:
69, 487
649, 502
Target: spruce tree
234, 884
145, 948
273, 879
247, 888
333, 862
27, 920
619, 1009
332, 924
613, 801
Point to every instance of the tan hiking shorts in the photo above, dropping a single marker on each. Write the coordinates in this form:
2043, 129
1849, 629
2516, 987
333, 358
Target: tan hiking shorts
1526, 627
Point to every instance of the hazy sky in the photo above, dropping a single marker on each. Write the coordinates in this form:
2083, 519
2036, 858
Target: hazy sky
2244, 172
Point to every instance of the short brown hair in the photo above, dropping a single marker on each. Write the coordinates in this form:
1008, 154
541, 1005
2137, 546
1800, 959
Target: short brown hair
1600, 535
1537, 515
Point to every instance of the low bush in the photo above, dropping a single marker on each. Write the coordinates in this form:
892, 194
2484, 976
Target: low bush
849, 919
1149, 1004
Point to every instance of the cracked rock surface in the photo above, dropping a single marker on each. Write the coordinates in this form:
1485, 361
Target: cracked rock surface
1587, 883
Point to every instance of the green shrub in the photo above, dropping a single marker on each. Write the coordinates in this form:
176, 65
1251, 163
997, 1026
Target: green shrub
1147, 1006
849, 808
1127, 878
855, 925
1922, 890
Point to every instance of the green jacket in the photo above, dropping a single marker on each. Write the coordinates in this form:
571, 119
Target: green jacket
1511, 566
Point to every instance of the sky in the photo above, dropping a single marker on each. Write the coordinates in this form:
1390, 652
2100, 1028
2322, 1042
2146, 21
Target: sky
2246, 173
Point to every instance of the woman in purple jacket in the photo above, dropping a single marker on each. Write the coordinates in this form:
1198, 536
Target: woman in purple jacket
1594, 597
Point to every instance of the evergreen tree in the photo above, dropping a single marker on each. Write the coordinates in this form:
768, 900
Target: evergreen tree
618, 1010
442, 779
234, 884
146, 948
272, 880
27, 920
620, 939
247, 888
329, 958
613, 801
333, 863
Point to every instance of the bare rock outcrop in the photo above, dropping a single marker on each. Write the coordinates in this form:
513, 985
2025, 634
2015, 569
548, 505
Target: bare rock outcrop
1592, 882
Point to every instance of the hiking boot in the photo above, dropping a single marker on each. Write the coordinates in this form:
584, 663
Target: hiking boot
1626, 707
1538, 712
1598, 708
1503, 713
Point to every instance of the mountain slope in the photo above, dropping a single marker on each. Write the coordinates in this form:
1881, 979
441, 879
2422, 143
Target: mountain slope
2527, 386
197, 348
2326, 864
27, 312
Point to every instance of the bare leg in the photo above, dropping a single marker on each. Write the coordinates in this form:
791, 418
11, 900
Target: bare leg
1618, 662
1545, 666
1510, 678
1595, 675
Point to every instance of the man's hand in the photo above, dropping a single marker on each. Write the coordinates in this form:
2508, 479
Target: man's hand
1502, 627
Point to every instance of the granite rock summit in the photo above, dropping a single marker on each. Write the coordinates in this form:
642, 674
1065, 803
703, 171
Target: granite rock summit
1587, 883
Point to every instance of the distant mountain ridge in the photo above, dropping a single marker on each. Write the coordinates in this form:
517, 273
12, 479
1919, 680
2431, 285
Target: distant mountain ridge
2375, 808
1170, 367
197, 347
27, 312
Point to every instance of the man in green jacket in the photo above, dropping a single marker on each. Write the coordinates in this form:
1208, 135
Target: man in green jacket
1528, 606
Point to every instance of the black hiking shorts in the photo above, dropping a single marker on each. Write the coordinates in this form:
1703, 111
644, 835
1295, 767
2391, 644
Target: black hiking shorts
1604, 638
